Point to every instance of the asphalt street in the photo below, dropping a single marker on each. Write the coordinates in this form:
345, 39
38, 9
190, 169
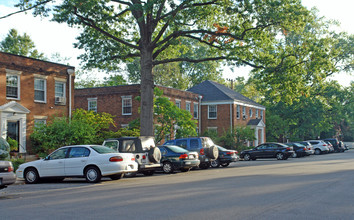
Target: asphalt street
314, 187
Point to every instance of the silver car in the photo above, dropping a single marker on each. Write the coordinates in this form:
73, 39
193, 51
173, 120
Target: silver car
319, 146
7, 175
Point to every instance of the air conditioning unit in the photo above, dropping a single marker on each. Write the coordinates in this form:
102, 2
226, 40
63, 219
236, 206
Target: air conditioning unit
59, 100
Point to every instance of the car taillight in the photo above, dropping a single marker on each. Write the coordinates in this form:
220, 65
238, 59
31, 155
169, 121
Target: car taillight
305, 148
116, 159
230, 152
183, 156
133, 158
10, 169
144, 157
201, 151
236, 152
288, 148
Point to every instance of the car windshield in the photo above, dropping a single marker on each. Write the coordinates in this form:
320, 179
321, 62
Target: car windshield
176, 149
103, 149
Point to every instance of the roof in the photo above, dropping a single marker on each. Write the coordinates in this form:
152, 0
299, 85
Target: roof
254, 121
212, 91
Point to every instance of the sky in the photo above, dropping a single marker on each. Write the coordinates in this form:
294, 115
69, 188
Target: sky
51, 37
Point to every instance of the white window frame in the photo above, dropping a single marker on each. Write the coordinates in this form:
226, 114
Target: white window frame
124, 106
89, 106
188, 106
261, 114
17, 74
250, 112
243, 110
195, 110
216, 111
238, 111
256, 113
178, 103
44, 89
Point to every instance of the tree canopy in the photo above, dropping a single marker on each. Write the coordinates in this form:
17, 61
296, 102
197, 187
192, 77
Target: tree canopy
115, 31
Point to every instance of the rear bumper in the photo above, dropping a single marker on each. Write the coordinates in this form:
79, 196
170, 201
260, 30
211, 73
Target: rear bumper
149, 166
7, 178
228, 159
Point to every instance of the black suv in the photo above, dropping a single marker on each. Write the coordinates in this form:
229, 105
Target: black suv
203, 145
336, 145
147, 155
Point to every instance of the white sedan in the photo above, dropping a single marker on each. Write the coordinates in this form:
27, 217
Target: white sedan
89, 161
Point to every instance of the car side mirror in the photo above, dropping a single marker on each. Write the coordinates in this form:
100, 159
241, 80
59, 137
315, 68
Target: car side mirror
47, 158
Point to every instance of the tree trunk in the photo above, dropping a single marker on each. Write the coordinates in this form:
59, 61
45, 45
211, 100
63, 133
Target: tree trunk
147, 93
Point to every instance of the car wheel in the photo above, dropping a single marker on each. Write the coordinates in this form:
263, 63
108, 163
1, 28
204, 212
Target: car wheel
130, 174
185, 169
317, 151
215, 164
247, 157
154, 154
93, 174
213, 152
149, 172
204, 166
116, 176
280, 156
167, 167
294, 155
225, 164
31, 176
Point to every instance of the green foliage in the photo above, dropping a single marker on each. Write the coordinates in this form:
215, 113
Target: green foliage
170, 118
85, 127
123, 132
19, 45
4, 149
234, 139
13, 144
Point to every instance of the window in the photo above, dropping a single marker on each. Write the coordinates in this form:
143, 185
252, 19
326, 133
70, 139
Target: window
195, 110
40, 88
212, 110
188, 106
238, 111
182, 143
250, 113
213, 130
126, 105
12, 86
39, 122
59, 154
92, 104
257, 113
244, 110
261, 114
178, 103
59, 93
79, 152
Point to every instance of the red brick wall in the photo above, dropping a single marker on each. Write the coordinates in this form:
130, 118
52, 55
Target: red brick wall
29, 67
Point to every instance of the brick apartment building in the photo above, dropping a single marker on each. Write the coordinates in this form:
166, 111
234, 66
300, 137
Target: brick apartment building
31, 92
220, 108
120, 101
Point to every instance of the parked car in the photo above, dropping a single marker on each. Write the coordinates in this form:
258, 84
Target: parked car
89, 161
147, 155
225, 157
203, 145
177, 158
7, 175
300, 150
319, 146
309, 147
336, 145
268, 150
344, 146
330, 147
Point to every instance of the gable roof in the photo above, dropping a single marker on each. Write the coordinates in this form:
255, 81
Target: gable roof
212, 91
14, 106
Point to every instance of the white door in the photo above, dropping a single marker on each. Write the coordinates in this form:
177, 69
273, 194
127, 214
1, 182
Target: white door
76, 161
53, 165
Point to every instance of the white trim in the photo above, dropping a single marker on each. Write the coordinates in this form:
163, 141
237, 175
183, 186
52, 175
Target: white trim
232, 102
216, 110
39, 117
40, 76
18, 75
60, 79
129, 97
45, 89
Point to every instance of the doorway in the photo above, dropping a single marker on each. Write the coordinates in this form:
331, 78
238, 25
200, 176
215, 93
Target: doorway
13, 130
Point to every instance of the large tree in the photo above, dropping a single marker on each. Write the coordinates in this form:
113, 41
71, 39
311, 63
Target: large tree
119, 30
23, 45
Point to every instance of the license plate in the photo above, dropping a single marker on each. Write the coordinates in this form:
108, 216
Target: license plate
188, 162
191, 157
